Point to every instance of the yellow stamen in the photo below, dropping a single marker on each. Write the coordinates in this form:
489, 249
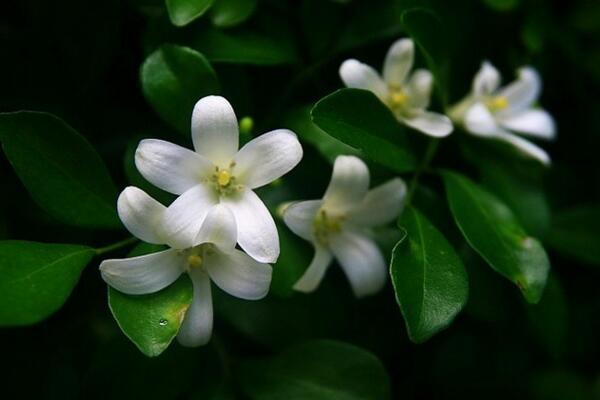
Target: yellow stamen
498, 103
398, 98
223, 177
195, 261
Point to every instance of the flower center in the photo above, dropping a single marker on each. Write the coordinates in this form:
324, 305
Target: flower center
397, 98
497, 103
224, 181
224, 177
194, 260
325, 225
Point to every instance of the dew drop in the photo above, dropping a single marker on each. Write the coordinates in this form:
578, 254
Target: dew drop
163, 322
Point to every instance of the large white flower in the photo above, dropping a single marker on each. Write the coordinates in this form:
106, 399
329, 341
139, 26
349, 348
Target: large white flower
339, 226
212, 256
406, 94
218, 173
493, 112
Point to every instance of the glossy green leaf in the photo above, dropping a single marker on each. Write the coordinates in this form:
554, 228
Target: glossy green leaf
37, 278
359, 119
152, 321
317, 370
60, 169
182, 12
493, 231
225, 13
575, 232
429, 278
173, 79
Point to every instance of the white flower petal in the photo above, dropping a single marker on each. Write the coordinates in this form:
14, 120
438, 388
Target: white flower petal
141, 214
169, 166
349, 184
355, 74
523, 92
381, 205
315, 272
480, 121
184, 217
144, 274
197, 325
526, 147
398, 62
219, 228
536, 123
215, 130
430, 123
361, 260
300, 217
257, 233
238, 274
266, 158
419, 88
486, 80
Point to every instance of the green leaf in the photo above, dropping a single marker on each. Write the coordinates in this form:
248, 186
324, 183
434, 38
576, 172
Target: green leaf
60, 169
182, 12
575, 232
429, 278
359, 119
37, 278
493, 231
152, 321
225, 13
317, 370
300, 122
173, 79
502, 5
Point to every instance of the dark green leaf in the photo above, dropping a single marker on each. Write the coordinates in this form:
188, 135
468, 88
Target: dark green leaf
502, 5
173, 79
429, 278
226, 13
152, 321
182, 12
357, 118
37, 278
493, 231
317, 370
576, 232
60, 169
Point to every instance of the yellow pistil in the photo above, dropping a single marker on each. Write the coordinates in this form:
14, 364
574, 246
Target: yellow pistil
223, 177
325, 225
194, 261
397, 98
497, 103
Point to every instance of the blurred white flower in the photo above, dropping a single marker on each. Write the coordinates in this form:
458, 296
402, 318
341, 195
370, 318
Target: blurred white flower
406, 94
493, 112
218, 173
211, 256
339, 226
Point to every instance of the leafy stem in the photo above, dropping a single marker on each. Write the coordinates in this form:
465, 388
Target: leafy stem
430, 152
115, 246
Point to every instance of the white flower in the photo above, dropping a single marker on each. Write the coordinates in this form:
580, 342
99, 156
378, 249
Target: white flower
407, 95
212, 256
492, 112
338, 226
218, 173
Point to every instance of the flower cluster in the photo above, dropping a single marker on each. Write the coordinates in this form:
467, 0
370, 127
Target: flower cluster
488, 111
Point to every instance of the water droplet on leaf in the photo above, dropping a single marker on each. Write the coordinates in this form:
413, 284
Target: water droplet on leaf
163, 322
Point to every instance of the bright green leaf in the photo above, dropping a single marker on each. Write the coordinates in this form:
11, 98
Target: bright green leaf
182, 12
37, 278
317, 370
428, 276
225, 13
173, 79
494, 232
359, 119
152, 321
576, 232
60, 169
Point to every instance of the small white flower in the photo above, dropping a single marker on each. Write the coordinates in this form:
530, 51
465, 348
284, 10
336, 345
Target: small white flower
407, 95
218, 173
493, 112
339, 226
212, 256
